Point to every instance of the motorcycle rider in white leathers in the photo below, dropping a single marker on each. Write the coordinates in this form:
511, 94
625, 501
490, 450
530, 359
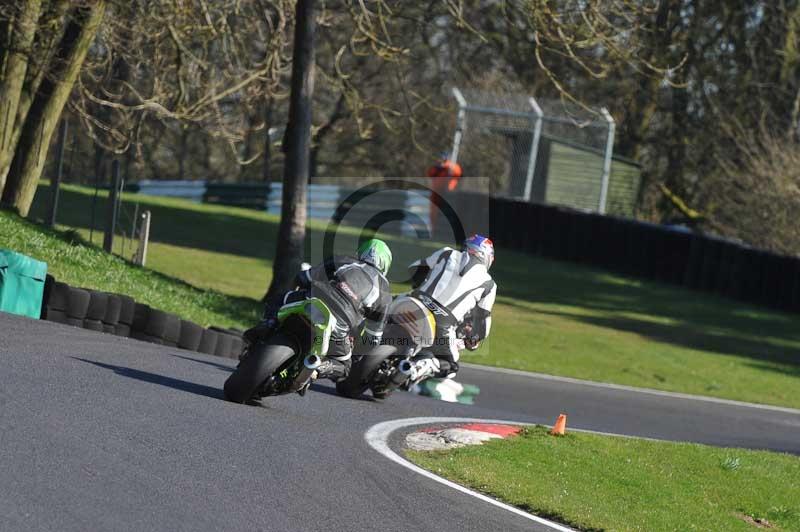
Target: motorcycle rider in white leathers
457, 288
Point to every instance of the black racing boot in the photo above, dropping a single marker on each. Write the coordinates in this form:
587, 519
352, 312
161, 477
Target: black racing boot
333, 369
381, 392
447, 369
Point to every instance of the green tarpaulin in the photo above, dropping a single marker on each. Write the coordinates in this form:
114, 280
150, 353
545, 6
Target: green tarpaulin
447, 390
21, 284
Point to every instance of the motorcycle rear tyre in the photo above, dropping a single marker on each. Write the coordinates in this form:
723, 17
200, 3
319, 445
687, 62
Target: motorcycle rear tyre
363, 371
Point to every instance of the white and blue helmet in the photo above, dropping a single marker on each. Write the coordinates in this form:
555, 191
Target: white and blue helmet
481, 248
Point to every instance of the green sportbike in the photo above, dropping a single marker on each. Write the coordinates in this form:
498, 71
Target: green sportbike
286, 361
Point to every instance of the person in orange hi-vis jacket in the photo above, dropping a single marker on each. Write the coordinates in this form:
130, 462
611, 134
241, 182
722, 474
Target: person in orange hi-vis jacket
444, 178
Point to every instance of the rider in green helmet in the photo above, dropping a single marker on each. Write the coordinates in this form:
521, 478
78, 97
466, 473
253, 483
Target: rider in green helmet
376, 253
357, 292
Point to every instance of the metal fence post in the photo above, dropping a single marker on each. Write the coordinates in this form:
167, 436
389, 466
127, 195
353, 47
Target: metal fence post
144, 237
537, 134
119, 187
460, 123
607, 160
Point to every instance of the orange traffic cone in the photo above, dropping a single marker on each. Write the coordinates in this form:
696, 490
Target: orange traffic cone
560, 428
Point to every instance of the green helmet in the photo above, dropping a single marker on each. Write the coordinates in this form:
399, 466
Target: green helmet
377, 253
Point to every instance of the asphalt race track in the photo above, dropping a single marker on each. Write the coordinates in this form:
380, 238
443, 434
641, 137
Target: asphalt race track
105, 433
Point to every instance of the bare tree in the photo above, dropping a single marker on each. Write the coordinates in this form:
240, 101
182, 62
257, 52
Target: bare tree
188, 69
42, 118
203, 70
292, 230
756, 197
21, 27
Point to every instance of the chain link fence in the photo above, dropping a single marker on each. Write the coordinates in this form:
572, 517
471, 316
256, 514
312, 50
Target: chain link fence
545, 151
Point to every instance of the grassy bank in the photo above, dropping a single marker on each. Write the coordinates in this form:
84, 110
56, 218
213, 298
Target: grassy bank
71, 261
607, 483
551, 317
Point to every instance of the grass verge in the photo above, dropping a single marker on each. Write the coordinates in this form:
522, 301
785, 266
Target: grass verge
595, 482
551, 317
72, 261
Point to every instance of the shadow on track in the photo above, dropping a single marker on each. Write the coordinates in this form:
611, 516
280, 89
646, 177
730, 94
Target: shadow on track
328, 390
153, 378
222, 367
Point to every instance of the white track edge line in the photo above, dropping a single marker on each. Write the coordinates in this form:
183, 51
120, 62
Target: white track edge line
625, 388
377, 437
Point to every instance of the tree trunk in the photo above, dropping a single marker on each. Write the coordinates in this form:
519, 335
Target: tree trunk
129, 162
789, 64
22, 33
292, 230
644, 106
5, 36
183, 148
246, 152
208, 166
39, 125
678, 139
677, 143
339, 112
49, 31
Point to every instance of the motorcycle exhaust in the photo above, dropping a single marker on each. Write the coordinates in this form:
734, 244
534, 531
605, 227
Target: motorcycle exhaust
404, 370
310, 365
312, 362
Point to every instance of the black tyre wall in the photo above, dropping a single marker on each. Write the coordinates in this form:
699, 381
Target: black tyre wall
98, 302
93, 325
208, 343
156, 325
231, 332
59, 296
56, 316
233, 345
163, 325
77, 303
113, 310
191, 335
49, 281
141, 314
172, 334
127, 309
137, 335
224, 345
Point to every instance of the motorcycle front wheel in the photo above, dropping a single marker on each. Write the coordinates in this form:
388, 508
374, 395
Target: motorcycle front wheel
261, 361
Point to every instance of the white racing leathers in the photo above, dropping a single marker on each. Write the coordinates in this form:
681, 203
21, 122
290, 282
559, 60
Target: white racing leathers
454, 285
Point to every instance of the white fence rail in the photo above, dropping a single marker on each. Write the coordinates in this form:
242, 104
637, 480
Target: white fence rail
192, 190
323, 200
